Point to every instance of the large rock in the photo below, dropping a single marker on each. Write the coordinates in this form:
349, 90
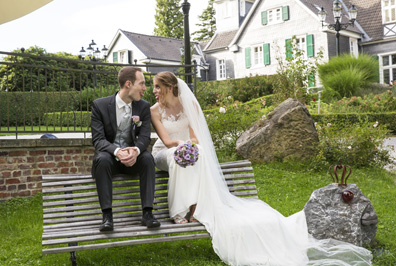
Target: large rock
329, 216
287, 132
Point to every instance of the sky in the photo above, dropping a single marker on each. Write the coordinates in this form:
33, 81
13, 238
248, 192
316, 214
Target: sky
67, 25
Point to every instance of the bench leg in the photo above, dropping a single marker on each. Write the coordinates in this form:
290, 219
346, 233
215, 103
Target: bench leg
73, 255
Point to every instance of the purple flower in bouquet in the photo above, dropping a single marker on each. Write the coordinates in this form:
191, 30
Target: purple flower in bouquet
186, 154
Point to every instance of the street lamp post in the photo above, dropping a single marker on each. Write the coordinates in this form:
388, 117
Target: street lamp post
187, 50
93, 52
338, 26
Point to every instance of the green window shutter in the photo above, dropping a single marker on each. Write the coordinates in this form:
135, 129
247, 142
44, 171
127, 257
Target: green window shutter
266, 52
285, 13
310, 46
311, 80
289, 49
115, 57
264, 18
247, 57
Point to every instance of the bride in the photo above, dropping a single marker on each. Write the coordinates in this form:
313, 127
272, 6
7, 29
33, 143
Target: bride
243, 231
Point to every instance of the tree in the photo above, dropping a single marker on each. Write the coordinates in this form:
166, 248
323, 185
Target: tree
168, 19
208, 25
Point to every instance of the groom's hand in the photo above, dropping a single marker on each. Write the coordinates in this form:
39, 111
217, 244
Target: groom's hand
128, 156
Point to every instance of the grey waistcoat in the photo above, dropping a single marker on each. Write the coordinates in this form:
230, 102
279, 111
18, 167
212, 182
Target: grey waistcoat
123, 137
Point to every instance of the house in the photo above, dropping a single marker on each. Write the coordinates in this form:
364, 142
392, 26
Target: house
251, 35
135, 48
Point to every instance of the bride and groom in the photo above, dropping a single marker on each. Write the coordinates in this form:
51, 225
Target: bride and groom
243, 231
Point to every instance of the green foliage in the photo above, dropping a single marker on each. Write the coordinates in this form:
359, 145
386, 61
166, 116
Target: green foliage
345, 75
381, 103
227, 126
68, 119
168, 19
357, 145
219, 93
294, 73
27, 109
207, 25
37, 70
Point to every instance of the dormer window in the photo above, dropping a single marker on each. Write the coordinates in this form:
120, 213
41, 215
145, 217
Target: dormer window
274, 15
388, 11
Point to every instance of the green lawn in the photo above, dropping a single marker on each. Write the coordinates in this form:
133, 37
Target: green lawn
285, 186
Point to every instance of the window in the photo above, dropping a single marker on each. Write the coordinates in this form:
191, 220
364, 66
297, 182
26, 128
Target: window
388, 68
389, 11
221, 69
122, 56
354, 47
274, 15
305, 44
301, 44
258, 55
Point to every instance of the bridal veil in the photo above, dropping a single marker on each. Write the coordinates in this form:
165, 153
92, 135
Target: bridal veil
249, 231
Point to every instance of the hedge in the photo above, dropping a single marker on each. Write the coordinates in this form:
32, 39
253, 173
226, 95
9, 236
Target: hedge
68, 119
387, 119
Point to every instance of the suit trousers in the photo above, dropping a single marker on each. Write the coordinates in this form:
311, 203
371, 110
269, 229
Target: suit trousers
105, 166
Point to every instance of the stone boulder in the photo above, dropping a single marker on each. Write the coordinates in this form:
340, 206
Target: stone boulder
287, 132
329, 216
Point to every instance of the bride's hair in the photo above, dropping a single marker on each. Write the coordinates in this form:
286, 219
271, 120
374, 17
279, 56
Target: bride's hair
168, 79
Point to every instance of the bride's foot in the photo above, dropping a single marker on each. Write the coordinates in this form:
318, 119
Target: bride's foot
191, 217
193, 220
180, 220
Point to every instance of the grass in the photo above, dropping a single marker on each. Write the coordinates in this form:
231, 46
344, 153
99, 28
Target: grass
285, 186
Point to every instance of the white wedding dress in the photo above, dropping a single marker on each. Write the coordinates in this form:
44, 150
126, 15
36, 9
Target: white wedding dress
243, 231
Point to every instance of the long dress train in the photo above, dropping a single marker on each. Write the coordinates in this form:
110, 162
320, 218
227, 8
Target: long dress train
243, 231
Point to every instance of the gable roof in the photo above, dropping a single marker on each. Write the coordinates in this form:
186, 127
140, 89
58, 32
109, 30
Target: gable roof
369, 16
156, 47
221, 40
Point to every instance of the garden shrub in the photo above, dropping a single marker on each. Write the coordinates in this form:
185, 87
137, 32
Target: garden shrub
217, 93
68, 119
387, 120
227, 127
26, 108
357, 145
344, 75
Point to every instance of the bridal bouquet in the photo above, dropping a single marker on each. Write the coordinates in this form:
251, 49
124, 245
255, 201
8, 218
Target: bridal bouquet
186, 154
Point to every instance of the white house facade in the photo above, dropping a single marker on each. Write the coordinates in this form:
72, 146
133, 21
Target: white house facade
251, 44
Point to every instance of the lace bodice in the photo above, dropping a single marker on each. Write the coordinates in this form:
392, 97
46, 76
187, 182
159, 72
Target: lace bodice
176, 126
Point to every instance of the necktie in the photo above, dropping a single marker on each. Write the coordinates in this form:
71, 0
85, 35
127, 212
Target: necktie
125, 117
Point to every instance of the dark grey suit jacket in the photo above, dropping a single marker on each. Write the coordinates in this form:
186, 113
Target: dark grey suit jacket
104, 124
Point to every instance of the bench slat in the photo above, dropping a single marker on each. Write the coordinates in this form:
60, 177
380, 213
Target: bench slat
126, 243
114, 234
79, 233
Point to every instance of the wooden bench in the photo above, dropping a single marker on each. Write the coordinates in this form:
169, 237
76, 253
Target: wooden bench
72, 215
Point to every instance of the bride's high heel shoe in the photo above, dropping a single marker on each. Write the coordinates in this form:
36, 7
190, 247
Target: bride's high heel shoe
180, 220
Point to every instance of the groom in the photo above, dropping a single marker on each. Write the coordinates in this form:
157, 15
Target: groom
121, 134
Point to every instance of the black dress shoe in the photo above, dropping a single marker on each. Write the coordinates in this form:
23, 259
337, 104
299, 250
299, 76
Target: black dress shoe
107, 223
149, 220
